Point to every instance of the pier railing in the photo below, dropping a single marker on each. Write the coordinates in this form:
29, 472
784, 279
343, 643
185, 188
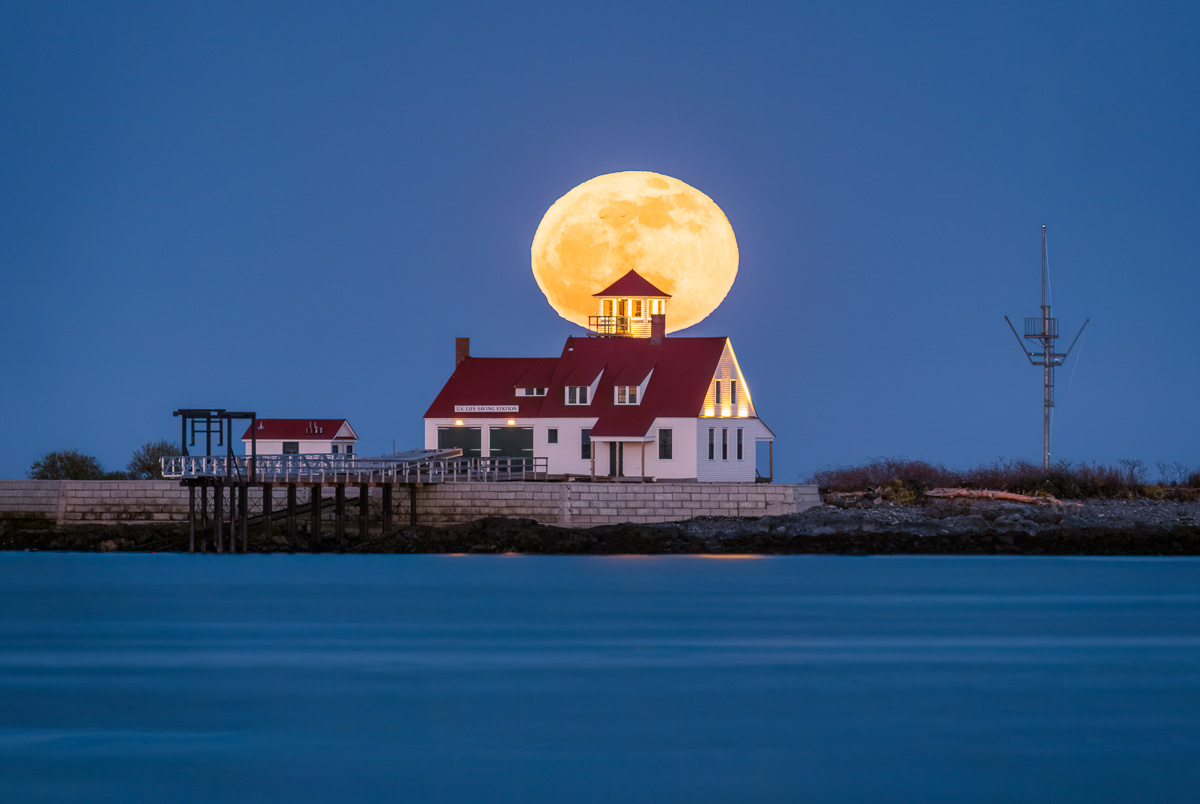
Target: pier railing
323, 468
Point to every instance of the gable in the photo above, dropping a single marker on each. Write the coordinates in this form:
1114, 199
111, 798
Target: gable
728, 371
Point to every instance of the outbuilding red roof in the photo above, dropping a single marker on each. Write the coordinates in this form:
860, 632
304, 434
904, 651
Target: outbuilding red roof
300, 430
682, 370
632, 286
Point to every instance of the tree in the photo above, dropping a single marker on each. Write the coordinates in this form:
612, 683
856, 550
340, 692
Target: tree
69, 464
145, 464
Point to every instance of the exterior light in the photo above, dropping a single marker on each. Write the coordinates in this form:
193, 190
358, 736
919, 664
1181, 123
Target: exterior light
512, 421
458, 422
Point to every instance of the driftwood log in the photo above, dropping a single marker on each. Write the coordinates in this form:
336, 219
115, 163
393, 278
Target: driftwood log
996, 495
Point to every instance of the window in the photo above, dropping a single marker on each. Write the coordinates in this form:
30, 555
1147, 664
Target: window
739, 444
664, 445
335, 449
637, 308
291, 447
608, 307
531, 392
733, 392
552, 435
626, 394
585, 443
577, 394
718, 392
349, 449
711, 442
724, 443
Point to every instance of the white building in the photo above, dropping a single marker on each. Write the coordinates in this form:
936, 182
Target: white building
626, 401
301, 437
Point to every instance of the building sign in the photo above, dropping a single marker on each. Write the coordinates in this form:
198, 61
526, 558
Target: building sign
486, 409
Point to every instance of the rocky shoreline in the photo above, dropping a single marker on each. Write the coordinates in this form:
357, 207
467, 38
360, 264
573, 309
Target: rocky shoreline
945, 527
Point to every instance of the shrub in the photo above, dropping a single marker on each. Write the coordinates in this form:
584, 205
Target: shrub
68, 464
145, 465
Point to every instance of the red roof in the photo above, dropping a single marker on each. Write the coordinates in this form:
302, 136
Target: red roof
300, 430
479, 381
632, 286
683, 369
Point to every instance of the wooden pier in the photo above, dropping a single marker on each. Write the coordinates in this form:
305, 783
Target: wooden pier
219, 490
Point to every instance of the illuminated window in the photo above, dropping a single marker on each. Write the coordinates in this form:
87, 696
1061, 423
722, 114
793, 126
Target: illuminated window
637, 308
664, 445
626, 394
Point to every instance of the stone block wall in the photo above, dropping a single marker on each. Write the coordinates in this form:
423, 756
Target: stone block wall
567, 504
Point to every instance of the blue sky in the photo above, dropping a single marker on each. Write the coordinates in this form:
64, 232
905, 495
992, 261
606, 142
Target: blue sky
295, 208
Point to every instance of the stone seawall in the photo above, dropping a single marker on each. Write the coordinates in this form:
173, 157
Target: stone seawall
99, 502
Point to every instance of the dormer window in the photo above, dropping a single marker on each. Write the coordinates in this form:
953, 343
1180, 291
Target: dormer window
531, 392
577, 394
626, 394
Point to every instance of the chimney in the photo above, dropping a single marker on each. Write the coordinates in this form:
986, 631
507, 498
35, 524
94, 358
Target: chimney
462, 350
658, 328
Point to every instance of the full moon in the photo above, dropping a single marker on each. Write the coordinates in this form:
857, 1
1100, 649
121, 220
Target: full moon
669, 232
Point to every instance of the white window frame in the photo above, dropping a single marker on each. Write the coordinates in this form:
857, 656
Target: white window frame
574, 393
626, 395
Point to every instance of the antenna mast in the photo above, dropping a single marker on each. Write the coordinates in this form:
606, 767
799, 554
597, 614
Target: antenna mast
1044, 328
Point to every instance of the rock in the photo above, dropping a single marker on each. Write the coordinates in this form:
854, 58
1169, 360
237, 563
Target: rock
106, 546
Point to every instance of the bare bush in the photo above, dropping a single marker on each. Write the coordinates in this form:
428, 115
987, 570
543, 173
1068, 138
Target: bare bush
1064, 479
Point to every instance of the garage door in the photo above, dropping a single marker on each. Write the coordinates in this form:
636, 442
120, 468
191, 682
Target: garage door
512, 442
468, 439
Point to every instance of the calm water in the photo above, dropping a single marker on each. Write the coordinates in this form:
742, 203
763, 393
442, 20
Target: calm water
423, 678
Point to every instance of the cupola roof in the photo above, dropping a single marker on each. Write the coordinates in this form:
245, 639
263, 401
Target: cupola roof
631, 286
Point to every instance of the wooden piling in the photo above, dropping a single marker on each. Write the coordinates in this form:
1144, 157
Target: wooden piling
364, 512
314, 500
266, 506
244, 514
387, 508
340, 515
191, 518
291, 515
219, 515
233, 518
203, 507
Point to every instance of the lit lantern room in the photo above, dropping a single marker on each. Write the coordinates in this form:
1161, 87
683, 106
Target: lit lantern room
628, 307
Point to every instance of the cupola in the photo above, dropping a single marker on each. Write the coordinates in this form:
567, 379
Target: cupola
628, 307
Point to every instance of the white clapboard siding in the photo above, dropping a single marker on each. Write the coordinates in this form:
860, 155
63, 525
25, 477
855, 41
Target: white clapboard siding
729, 469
